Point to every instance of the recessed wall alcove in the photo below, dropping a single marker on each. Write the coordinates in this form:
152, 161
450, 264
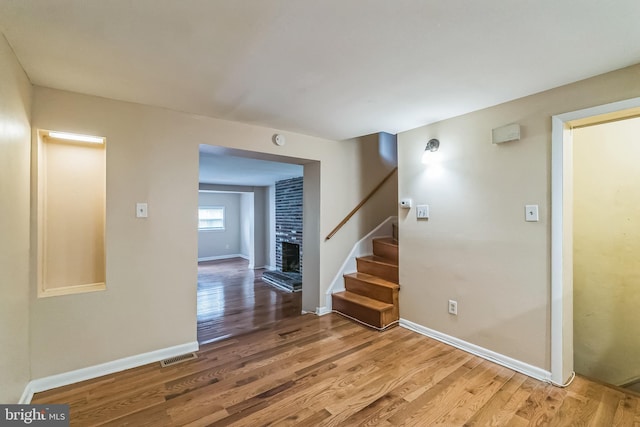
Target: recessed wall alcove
71, 175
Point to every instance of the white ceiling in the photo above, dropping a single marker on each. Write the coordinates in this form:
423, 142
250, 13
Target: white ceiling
220, 166
331, 68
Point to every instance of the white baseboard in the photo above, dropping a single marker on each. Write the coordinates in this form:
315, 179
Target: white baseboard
215, 258
321, 311
66, 378
27, 395
500, 359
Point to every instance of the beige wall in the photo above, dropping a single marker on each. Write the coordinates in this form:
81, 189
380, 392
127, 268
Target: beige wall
477, 248
356, 180
151, 263
607, 251
15, 109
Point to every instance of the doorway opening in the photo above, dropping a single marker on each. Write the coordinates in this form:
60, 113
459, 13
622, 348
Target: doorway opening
562, 226
606, 252
233, 297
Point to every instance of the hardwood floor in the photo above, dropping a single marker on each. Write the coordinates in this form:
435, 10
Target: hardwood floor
316, 371
233, 300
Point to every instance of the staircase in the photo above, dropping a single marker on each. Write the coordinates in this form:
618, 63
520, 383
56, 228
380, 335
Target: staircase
371, 295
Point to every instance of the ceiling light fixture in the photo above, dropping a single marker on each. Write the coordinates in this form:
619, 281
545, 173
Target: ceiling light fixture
431, 147
76, 137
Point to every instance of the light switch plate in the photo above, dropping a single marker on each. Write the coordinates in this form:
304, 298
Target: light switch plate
531, 213
141, 210
422, 211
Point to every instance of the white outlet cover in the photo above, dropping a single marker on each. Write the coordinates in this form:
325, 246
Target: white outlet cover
141, 210
453, 307
531, 213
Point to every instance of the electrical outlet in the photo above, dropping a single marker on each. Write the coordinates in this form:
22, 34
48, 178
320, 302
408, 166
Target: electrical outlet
531, 213
453, 307
141, 210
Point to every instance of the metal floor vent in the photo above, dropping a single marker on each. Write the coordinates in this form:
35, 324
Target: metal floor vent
178, 359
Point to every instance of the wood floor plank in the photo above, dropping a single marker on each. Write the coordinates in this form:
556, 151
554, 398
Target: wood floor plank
488, 414
550, 407
325, 371
348, 369
398, 371
245, 394
626, 411
328, 371
532, 406
228, 290
151, 416
388, 404
580, 404
478, 392
429, 403
607, 408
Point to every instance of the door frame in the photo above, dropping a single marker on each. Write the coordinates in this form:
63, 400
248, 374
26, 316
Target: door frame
562, 228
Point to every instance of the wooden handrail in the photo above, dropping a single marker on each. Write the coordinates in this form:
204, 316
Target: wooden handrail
352, 213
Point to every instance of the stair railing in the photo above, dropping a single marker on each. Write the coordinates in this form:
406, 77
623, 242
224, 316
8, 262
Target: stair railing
353, 212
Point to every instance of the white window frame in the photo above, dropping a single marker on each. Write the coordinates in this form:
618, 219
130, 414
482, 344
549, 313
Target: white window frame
219, 208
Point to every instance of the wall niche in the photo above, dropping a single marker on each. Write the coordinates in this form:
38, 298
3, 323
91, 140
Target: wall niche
71, 198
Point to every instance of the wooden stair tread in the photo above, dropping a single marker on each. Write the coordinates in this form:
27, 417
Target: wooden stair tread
387, 241
373, 279
379, 260
371, 293
361, 300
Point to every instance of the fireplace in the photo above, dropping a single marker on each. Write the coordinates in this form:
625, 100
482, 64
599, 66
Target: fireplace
289, 253
290, 257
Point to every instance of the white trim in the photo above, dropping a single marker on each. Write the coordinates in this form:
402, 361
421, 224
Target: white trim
27, 395
215, 258
492, 356
66, 378
73, 289
561, 307
557, 239
363, 247
321, 311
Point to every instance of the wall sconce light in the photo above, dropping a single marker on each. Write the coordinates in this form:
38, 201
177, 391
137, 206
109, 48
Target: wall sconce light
431, 147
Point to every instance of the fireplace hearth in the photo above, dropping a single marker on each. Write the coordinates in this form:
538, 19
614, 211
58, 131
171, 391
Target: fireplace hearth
288, 281
290, 278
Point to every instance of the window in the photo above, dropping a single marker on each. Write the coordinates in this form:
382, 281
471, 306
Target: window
211, 218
